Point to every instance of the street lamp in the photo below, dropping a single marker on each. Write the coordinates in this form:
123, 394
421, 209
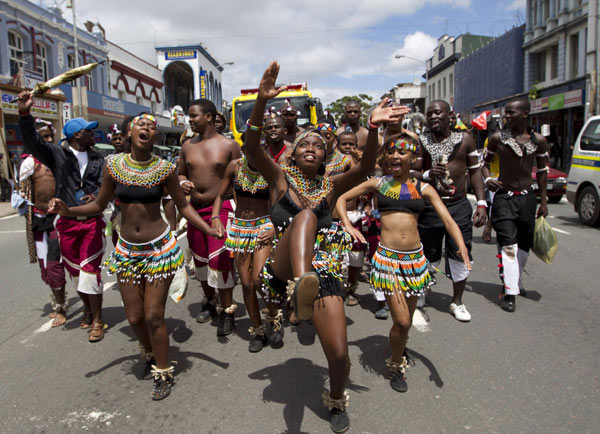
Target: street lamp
401, 56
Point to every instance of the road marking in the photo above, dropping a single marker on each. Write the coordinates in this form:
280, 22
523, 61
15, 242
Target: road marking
419, 321
43, 328
560, 231
9, 217
108, 286
12, 232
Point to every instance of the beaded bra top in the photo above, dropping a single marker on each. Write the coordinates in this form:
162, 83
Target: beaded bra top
250, 183
507, 139
395, 196
138, 182
440, 149
336, 163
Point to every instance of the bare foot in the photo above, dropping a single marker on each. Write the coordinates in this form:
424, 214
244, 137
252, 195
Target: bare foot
52, 314
59, 319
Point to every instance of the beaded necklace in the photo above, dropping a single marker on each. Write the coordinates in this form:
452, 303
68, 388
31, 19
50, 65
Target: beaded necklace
443, 148
507, 138
337, 163
393, 189
249, 180
311, 191
129, 172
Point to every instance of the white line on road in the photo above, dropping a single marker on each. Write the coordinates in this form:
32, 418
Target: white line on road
9, 217
43, 328
419, 321
560, 231
12, 232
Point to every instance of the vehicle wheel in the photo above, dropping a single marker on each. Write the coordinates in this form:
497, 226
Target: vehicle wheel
555, 199
588, 206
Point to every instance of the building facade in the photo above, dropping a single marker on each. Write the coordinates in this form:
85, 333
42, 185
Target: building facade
557, 75
440, 74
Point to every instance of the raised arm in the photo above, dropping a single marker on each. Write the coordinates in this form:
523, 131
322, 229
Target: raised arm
185, 208
541, 158
344, 181
369, 186
265, 165
224, 190
32, 141
433, 198
95, 207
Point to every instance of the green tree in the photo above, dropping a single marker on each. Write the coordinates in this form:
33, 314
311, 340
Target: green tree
336, 108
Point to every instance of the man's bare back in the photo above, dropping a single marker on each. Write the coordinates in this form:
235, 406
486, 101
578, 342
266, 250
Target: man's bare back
203, 162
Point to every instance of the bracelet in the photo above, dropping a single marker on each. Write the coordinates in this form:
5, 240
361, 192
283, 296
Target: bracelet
253, 127
426, 175
181, 182
485, 181
371, 126
482, 203
214, 217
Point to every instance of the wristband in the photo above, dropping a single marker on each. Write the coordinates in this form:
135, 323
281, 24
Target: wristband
482, 204
181, 182
214, 217
371, 126
253, 127
426, 175
485, 181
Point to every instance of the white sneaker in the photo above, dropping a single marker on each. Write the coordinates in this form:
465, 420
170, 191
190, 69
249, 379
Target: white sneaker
460, 312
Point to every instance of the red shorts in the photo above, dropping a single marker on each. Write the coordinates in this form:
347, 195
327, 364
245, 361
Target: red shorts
82, 248
208, 250
48, 250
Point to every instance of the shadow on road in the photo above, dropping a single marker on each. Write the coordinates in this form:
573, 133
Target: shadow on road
374, 351
297, 384
132, 365
574, 221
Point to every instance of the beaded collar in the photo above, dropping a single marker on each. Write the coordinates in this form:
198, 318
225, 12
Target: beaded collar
336, 163
439, 149
129, 172
507, 139
393, 189
310, 191
248, 179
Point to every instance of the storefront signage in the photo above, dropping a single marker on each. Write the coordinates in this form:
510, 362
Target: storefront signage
113, 105
573, 98
32, 78
180, 54
43, 107
203, 84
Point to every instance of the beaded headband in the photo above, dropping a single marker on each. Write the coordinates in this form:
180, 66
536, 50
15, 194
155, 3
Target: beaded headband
324, 126
309, 133
403, 144
143, 116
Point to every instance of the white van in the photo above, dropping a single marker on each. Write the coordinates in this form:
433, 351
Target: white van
583, 189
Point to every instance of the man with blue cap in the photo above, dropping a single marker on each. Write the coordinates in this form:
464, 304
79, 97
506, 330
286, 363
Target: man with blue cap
77, 169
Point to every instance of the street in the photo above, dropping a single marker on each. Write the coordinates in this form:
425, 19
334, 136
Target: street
532, 371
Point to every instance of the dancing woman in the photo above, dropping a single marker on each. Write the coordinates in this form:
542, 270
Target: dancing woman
147, 255
399, 268
302, 199
249, 239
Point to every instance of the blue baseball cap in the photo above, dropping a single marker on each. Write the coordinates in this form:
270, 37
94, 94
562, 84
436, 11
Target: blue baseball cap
76, 125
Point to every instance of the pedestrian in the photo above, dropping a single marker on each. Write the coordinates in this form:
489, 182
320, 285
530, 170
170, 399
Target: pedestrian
147, 255
274, 135
399, 267
336, 162
77, 169
444, 159
513, 208
201, 167
249, 239
352, 115
305, 262
39, 186
289, 113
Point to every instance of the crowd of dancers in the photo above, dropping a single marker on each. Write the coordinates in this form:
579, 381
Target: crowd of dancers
296, 210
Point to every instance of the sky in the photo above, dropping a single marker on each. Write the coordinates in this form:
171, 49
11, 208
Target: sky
339, 47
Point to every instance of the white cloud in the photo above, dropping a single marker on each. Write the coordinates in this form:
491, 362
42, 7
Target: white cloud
318, 42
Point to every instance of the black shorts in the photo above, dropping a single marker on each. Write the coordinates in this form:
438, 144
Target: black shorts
432, 231
513, 219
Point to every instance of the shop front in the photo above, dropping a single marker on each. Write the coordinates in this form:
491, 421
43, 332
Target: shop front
563, 112
47, 107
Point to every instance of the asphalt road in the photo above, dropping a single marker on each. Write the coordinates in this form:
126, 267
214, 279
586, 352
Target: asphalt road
533, 371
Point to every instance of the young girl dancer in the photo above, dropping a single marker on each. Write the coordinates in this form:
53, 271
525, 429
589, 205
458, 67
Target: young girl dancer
399, 268
147, 255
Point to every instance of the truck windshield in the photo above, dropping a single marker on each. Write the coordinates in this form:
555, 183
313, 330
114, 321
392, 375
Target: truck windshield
244, 108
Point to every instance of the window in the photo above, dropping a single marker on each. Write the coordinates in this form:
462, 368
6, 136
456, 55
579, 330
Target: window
590, 139
574, 55
139, 100
15, 45
122, 96
439, 94
546, 9
41, 60
89, 81
444, 87
433, 91
553, 53
540, 66
441, 52
71, 65
451, 85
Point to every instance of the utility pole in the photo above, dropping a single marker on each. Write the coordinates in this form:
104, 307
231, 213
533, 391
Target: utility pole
71, 5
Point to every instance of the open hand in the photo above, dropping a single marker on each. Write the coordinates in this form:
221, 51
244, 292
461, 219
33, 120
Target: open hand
382, 113
464, 254
356, 234
57, 206
267, 88
25, 101
266, 237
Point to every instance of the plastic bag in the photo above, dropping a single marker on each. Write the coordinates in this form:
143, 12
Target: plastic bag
179, 285
545, 243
